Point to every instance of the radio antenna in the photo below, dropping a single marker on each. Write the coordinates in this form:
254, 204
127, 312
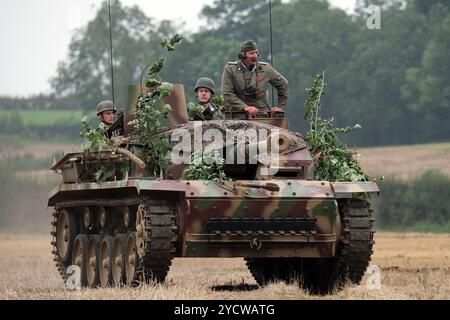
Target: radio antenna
271, 46
111, 51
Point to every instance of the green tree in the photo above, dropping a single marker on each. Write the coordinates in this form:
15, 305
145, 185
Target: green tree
85, 75
235, 14
230, 22
425, 5
315, 38
427, 85
374, 76
393, 81
202, 55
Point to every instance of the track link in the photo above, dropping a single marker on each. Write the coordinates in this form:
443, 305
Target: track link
357, 243
157, 236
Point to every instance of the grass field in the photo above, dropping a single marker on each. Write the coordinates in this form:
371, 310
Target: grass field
413, 266
46, 117
424, 227
406, 162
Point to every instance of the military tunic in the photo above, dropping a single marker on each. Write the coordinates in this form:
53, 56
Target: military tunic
241, 86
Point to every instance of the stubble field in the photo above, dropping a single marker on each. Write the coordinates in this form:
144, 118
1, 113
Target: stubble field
413, 266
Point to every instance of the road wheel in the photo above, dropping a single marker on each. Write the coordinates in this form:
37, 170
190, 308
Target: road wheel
131, 258
118, 258
105, 262
93, 258
66, 231
80, 256
104, 218
129, 216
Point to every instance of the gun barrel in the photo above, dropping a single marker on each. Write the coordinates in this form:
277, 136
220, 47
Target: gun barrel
275, 143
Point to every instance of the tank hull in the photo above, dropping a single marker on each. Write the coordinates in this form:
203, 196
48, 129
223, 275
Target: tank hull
244, 219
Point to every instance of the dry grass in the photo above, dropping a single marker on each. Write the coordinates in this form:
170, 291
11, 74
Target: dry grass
414, 266
406, 162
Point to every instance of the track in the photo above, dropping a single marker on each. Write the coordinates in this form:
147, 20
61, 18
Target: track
156, 233
155, 227
320, 275
156, 237
357, 244
60, 265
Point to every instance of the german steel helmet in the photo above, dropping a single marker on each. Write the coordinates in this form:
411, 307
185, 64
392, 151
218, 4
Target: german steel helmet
206, 83
105, 105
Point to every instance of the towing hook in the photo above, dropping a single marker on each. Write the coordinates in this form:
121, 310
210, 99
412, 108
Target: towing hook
256, 244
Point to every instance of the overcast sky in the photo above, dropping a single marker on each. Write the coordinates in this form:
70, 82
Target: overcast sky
35, 35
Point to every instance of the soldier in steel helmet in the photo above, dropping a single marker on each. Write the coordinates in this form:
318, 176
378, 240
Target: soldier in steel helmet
245, 82
204, 109
106, 112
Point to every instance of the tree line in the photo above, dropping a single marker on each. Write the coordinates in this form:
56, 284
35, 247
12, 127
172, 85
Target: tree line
421, 203
394, 81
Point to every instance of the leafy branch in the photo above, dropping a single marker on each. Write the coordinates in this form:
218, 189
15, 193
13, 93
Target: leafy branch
220, 103
312, 105
157, 66
195, 110
333, 162
206, 165
170, 43
95, 139
149, 113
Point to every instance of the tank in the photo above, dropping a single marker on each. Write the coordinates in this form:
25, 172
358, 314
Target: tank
127, 228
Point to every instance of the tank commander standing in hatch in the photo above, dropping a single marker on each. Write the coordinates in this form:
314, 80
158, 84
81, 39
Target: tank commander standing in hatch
106, 113
245, 83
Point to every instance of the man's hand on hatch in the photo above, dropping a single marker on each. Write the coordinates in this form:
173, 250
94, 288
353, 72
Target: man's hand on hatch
274, 110
252, 111
277, 109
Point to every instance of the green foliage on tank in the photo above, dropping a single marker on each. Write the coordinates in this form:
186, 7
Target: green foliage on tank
332, 160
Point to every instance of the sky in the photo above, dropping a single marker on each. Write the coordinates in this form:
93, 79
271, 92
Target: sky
35, 35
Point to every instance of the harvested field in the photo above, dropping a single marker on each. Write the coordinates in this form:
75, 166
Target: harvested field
413, 266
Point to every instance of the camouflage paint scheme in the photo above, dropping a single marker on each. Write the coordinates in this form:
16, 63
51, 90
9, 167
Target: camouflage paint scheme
201, 201
287, 214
